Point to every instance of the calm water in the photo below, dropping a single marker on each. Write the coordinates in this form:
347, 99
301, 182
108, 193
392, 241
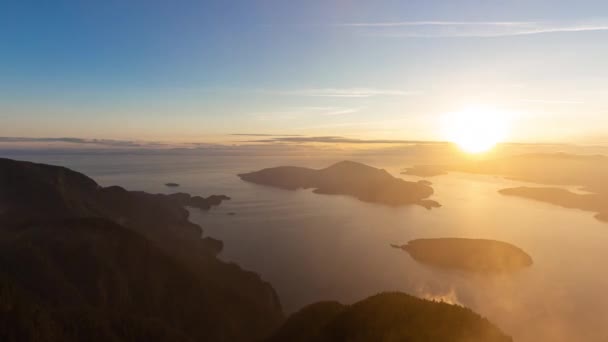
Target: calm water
316, 247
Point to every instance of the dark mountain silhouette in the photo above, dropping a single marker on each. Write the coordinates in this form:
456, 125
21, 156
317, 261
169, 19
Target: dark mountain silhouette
97, 271
387, 317
474, 255
363, 182
106, 264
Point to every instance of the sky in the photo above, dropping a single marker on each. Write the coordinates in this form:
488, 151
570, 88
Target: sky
202, 71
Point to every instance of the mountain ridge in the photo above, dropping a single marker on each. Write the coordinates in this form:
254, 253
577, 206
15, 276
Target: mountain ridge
38, 200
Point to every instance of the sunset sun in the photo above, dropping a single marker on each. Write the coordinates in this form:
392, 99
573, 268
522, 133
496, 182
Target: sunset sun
475, 129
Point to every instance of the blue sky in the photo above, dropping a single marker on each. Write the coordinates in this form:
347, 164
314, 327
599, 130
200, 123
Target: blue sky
199, 70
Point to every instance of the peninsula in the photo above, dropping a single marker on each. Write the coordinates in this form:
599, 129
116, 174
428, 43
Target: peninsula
84, 262
597, 203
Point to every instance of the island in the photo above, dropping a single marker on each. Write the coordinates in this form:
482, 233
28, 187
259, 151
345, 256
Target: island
202, 203
425, 171
597, 203
388, 317
471, 255
348, 178
549, 170
172, 185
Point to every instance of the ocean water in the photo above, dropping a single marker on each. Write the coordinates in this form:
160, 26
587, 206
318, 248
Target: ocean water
317, 247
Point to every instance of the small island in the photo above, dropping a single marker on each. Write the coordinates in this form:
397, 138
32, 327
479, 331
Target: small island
349, 178
202, 203
471, 255
172, 185
425, 171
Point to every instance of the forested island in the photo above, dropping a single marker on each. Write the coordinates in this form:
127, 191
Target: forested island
349, 178
471, 255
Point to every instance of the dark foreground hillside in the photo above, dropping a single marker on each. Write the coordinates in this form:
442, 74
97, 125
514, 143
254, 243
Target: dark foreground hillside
93, 280
86, 263
388, 317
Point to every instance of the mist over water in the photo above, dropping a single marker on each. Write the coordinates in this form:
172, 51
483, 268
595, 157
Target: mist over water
316, 247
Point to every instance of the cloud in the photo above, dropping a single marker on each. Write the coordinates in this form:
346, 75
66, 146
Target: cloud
481, 29
70, 140
341, 111
354, 92
347, 92
294, 112
339, 140
557, 102
264, 135
368, 124
440, 23
325, 110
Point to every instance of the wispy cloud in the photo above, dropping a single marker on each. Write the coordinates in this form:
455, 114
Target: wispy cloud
294, 112
437, 29
365, 123
556, 102
264, 135
338, 140
347, 92
80, 141
440, 23
338, 111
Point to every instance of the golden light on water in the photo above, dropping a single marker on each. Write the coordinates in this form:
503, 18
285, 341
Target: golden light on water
475, 129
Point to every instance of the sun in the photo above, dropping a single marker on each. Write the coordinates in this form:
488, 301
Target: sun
475, 129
